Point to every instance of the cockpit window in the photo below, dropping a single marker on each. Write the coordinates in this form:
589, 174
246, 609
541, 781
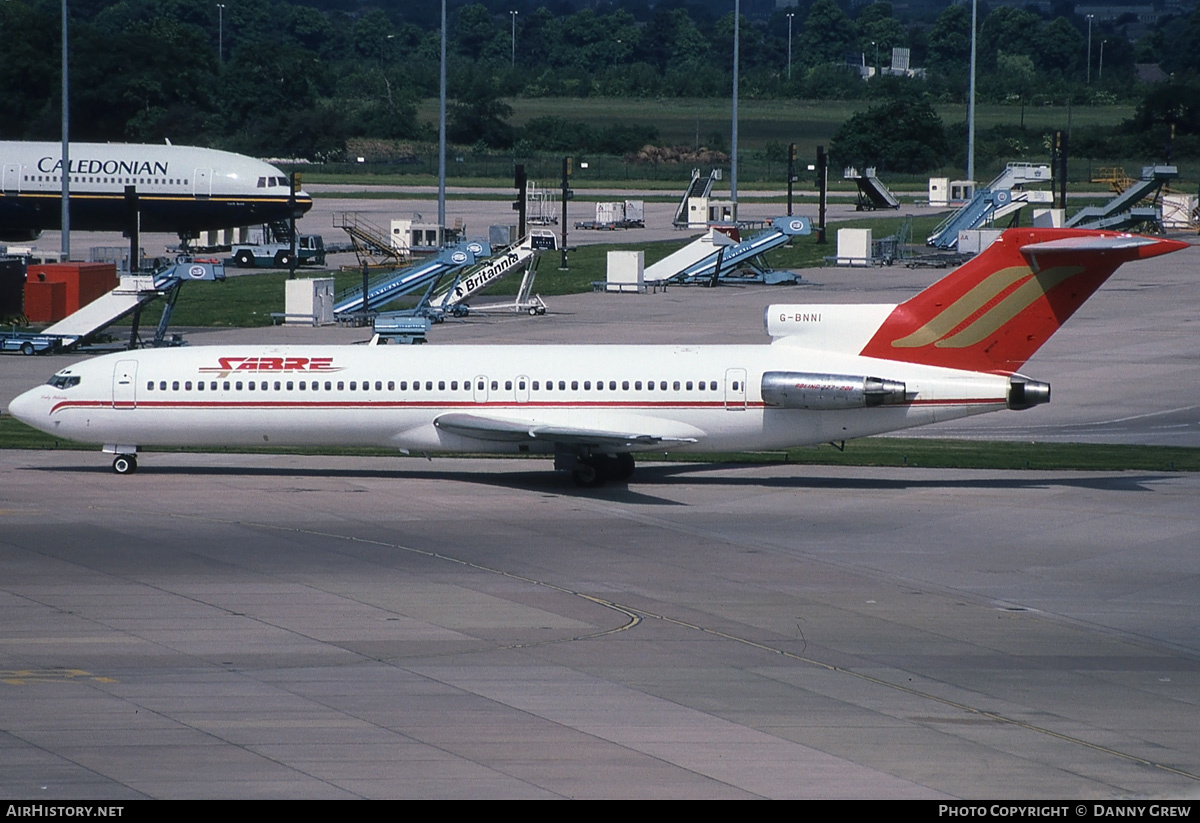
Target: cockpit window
63, 381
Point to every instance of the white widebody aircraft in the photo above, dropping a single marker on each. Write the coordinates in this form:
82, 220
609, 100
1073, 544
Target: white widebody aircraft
831, 373
180, 189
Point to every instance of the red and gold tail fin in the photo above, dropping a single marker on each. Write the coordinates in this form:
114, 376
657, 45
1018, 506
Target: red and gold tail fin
992, 313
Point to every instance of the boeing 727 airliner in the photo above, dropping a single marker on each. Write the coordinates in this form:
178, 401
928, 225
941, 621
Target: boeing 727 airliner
831, 373
181, 189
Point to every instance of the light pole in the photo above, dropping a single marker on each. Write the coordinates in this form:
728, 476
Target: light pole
737, 31
65, 170
1100, 73
1089, 53
875, 43
971, 97
789, 17
514, 37
383, 44
220, 34
442, 133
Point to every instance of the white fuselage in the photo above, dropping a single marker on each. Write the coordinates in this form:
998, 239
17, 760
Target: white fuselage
181, 189
701, 398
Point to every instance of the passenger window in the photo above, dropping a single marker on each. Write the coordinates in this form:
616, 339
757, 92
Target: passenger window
441, 385
637, 385
328, 385
341, 386
649, 385
535, 385
199, 385
213, 386
277, 385
187, 386
175, 385
689, 385
574, 385
587, 385
521, 385
612, 385
238, 385
378, 385
289, 385
353, 385
663, 385
675, 385
624, 385
250, 386
150, 385
392, 385
562, 385
162, 385
227, 385
508, 385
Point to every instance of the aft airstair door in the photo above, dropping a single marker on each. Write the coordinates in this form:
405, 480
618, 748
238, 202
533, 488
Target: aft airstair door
481, 389
202, 182
12, 178
735, 389
522, 388
124, 385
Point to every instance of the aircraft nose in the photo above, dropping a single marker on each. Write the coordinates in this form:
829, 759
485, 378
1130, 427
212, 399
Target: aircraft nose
26, 407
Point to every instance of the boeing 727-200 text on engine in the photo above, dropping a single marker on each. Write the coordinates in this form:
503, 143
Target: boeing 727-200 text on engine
831, 373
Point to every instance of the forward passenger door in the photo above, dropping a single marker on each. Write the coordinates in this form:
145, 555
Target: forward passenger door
124, 385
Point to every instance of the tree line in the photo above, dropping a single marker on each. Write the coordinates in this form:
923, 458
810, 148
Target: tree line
299, 79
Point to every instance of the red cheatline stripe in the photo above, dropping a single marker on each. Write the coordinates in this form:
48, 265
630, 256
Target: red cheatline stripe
509, 405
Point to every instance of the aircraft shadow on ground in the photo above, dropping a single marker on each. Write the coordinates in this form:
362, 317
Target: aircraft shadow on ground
661, 477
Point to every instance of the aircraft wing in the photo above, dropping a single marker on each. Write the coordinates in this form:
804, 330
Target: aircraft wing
481, 427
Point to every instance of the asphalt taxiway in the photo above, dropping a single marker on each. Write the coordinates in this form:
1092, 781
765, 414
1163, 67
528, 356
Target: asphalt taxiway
283, 626
266, 626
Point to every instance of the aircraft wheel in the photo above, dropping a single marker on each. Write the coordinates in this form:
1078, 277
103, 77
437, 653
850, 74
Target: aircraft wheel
533, 311
541, 311
26, 349
588, 475
244, 259
283, 259
125, 463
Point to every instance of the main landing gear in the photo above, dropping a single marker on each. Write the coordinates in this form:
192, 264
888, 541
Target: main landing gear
125, 463
594, 470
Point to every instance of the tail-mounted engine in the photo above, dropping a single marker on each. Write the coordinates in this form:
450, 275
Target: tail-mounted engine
827, 392
1024, 393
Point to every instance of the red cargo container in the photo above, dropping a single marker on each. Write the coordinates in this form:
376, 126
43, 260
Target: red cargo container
84, 282
45, 302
